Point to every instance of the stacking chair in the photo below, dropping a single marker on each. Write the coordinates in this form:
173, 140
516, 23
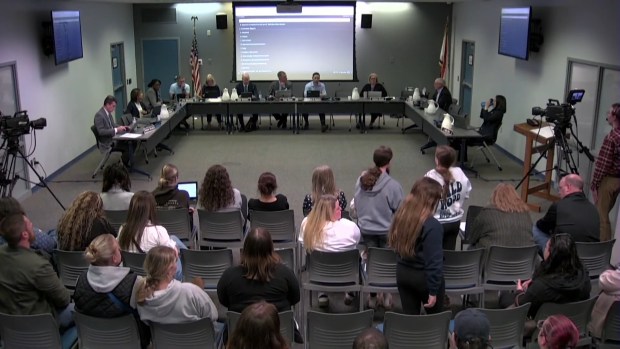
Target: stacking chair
244, 208
134, 261
462, 271
71, 264
280, 224
116, 218
336, 331
485, 147
472, 213
103, 333
380, 275
34, 331
505, 265
417, 331
507, 326
207, 265
197, 334
611, 328
106, 153
287, 324
287, 256
177, 222
595, 256
578, 312
220, 229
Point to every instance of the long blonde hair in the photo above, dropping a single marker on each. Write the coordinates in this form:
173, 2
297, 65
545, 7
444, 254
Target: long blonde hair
417, 207
77, 222
320, 215
323, 182
506, 199
157, 266
169, 174
101, 250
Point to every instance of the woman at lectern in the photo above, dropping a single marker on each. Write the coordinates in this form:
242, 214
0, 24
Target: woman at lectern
211, 90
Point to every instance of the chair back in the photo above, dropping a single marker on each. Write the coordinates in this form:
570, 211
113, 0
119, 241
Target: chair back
341, 94
29, 331
287, 257
93, 128
505, 265
116, 218
462, 269
611, 328
287, 323
221, 229
507, 326
102, 333
244, 207
578, 312
454, 109
207, 265
417, 331
381, 267
336, 331
71, 264
134, 261
334, 268
126, 119
280, 224
190, 335
472, 213
176, 221
595, 256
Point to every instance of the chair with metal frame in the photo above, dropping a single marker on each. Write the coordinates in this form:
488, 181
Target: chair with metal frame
116, 218
189, 335
177, 222
507, 326
220, 229
417, 331
106, 153
595, 256
335, 331
505, 265
134, 261
462, 271
34, 331
380, 275
70, 264
207, 265
100, 333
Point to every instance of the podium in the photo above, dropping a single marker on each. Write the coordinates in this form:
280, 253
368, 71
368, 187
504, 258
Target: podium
536, 144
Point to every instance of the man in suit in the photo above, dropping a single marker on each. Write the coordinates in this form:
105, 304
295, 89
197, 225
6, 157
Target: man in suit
107, 128
282, 84
245, 86
442, 95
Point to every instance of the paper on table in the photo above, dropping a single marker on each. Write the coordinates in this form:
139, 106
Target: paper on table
546, 131
131, 135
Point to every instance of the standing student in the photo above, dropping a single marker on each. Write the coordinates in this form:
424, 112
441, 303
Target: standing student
315, 85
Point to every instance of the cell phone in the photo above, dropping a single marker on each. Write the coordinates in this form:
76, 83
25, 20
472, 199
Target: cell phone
491, 101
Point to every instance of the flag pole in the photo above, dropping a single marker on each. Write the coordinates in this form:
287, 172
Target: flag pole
194, 61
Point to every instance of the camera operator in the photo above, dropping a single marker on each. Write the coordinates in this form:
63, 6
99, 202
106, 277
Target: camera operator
107, 128
606, 179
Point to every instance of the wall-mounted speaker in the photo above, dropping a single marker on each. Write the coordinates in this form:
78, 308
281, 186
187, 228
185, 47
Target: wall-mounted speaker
221, 21
366, 21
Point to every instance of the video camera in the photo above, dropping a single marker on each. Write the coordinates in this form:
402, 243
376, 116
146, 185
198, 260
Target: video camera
19, 124
560, 114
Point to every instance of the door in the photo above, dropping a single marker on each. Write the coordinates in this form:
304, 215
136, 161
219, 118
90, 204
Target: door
160, 60
467, 76
118, 78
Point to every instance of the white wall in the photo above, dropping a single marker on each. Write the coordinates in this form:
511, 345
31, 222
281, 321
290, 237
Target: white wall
67, 95
587, 30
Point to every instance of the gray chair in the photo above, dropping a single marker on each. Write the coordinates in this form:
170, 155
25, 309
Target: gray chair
244, 208
507, 326
70, 264
336, 331
287, 324
189, 335
116, 218
287, 256
134, 261
461, 271
177, 222
207, 265
380, 275
595, 256
106, 153
472, 213
33, 331
417, 331
332, 272
578, 312
611, 328
505, 265
220, 229
280, 224
485, 147
102, 333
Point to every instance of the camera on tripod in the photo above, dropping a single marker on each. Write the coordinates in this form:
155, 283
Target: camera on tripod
19, 124
560, 114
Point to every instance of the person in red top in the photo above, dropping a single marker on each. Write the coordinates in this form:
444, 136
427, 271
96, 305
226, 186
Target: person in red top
606, 180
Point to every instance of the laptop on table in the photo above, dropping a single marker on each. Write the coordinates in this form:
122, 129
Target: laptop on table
191, 188
373, 94
283, 94
313, 94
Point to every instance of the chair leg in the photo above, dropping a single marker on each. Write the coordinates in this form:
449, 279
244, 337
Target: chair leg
350, 122
499, 167
333, 122
482, 150
102, 163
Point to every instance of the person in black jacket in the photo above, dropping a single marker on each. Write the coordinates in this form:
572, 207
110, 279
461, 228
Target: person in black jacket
442, 95
492, 116
167, 195
417, 238
136, 107
268, 200
211, 90
373, 85
245, 86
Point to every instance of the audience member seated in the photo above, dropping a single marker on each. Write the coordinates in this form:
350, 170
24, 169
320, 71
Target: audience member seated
370, 338
377, 197
211, 90
609, 282
217, 193
324, 230
245, 86
258, 327
136, 106
28, 283
315, 85
505, 222
557, 332
83, 221
471, 330
268, 200
261, 276
116, 190
153, 94
574, 214
323, 182
106, 290
492, 116
282, 84
417, 237
141, 233
373, 85
167, 195
456, 188
44, 242
560, 278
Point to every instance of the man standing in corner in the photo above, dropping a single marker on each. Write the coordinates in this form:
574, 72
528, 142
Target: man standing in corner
315, 85
282, 84
573, 215
179, 90
442, 95
606, 180
245, 86
107, 128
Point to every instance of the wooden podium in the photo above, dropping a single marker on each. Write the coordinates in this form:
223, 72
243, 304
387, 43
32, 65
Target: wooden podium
536, 144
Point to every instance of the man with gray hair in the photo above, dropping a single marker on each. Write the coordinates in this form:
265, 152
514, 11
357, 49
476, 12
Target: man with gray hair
282, 84
247, 87
442, 95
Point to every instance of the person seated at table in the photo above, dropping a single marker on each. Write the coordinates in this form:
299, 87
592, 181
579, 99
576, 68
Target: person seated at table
373, 85
282, 84
245, 86
178, 90
116, 190
268, 200
442, 95
136, 106
106, 129
83, 221
211, 90
492, 114
315, 85
153, 94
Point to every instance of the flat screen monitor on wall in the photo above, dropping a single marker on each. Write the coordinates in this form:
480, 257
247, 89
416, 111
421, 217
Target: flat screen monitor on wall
321, 38
514, 32
67, 32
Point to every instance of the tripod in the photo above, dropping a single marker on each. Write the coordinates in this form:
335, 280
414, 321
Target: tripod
8, 178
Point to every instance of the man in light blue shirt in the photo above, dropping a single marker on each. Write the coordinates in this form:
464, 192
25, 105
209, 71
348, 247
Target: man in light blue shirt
179, 88
315, 85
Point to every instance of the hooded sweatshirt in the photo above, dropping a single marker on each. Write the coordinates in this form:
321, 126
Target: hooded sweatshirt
92, 288
450, 208
376, 206
180, 302
609, 282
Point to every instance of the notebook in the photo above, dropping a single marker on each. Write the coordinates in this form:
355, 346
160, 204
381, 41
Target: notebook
191, 188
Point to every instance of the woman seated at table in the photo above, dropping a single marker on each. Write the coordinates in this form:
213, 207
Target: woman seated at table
136, 107
268, 200
211, 90
153, 96
83, 221
373, 85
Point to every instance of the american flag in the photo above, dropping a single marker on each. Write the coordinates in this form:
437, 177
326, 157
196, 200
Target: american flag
443, 54
193, 62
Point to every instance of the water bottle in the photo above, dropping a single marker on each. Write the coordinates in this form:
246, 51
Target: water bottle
134, 121
260, 95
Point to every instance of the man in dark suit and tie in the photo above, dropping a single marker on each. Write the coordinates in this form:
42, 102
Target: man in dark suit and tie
246, 86
282, 84
442, 95
107, 128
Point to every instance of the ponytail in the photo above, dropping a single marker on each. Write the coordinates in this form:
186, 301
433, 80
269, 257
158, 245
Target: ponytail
370, 178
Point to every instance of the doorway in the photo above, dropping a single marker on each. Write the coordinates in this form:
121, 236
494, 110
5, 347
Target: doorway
160, 60
117, 53
467, 75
